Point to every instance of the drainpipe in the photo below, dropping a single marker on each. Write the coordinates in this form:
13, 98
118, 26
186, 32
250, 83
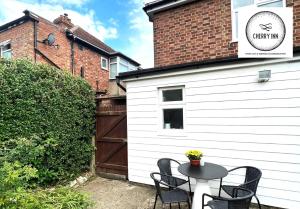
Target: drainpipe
72, 57
120, 85
35, 39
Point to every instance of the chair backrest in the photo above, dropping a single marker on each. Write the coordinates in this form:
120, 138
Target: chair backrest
156, 183
164, 165
252, 178
241, 200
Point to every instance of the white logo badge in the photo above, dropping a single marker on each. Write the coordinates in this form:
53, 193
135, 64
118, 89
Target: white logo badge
266, 33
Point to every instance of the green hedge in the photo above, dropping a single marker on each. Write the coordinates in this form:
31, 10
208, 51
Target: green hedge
46, 119
17, 191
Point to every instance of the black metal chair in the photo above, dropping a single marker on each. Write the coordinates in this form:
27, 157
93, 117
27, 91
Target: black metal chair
241, 200
164, 165
251, 181
174, 195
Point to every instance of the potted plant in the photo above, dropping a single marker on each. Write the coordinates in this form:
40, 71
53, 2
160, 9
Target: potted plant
194, 157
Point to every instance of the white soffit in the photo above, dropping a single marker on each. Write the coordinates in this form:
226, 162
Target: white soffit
167, 6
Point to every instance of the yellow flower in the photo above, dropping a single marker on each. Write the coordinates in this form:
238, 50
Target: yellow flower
194, 154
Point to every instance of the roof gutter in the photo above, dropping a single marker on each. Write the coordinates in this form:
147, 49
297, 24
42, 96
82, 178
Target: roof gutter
70, 34
28, 16
158, 6
124, 56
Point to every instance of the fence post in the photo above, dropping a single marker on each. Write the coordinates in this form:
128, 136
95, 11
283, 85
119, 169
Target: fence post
93, 160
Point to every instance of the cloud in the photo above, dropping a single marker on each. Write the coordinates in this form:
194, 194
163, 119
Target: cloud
68, 2
141, 40
13, 9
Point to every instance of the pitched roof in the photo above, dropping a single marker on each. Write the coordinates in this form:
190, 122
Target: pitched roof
82, 34
75, 32
21, 20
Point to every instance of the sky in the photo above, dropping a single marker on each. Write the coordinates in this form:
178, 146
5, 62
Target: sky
121, 24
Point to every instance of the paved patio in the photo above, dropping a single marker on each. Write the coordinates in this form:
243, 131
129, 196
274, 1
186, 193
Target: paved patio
117, 194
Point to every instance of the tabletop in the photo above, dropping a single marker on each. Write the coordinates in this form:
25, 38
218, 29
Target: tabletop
208, 171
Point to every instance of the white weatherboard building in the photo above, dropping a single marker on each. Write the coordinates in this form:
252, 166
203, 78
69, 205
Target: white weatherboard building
234, 119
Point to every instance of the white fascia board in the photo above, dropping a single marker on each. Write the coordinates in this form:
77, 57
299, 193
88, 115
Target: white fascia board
168, 6
218, 67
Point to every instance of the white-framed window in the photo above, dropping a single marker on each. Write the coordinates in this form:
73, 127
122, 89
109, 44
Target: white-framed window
236, 5
104, 63
172, 102
5, 50
113, 67
119, 65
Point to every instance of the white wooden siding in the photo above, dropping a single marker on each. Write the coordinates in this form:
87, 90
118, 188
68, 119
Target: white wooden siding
233, 119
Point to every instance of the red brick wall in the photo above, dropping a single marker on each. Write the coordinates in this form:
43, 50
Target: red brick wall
60, 55
21, 40
200, 31
90, 61
22, 43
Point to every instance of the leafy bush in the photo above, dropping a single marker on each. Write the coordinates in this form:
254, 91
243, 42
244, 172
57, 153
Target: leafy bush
14, 176
62, 197
49, 114
13, 193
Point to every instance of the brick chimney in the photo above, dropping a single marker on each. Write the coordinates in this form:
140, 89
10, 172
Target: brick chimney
64, 21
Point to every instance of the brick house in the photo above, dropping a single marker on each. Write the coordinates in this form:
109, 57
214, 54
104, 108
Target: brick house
62, 44
200, 95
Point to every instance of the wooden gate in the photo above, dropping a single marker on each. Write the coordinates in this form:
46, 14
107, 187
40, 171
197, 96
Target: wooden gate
111, 136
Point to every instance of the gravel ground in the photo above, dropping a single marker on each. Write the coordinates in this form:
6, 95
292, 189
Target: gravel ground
118, 194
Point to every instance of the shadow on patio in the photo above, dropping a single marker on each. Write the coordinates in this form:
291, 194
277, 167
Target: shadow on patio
118, 194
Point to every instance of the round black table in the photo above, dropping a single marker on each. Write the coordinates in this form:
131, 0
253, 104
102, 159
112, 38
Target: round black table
202, 174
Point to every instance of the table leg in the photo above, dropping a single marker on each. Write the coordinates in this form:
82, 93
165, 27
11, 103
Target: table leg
201, 187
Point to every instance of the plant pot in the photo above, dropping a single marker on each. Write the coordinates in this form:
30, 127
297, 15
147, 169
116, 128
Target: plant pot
195, 163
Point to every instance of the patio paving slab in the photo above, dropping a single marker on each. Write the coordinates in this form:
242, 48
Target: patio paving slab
118, 194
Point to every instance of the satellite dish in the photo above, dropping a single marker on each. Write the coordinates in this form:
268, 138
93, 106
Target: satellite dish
51, 39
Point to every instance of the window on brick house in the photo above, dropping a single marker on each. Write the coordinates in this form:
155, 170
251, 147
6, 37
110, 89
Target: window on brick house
236, 5
5, 50
82, 72
119, 65
104, 63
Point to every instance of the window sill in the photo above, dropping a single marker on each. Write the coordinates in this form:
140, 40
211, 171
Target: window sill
172, 132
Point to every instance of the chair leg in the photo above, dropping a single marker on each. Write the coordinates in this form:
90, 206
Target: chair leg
220, 187
190, 189
155, 201
189, 205
257, 201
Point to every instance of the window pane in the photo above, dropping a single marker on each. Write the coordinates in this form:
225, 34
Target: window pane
123, 68
173, 118
242, 3
7, 54
273, 4
113, 59
172, 95
104, 63
123, 61
113, 71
